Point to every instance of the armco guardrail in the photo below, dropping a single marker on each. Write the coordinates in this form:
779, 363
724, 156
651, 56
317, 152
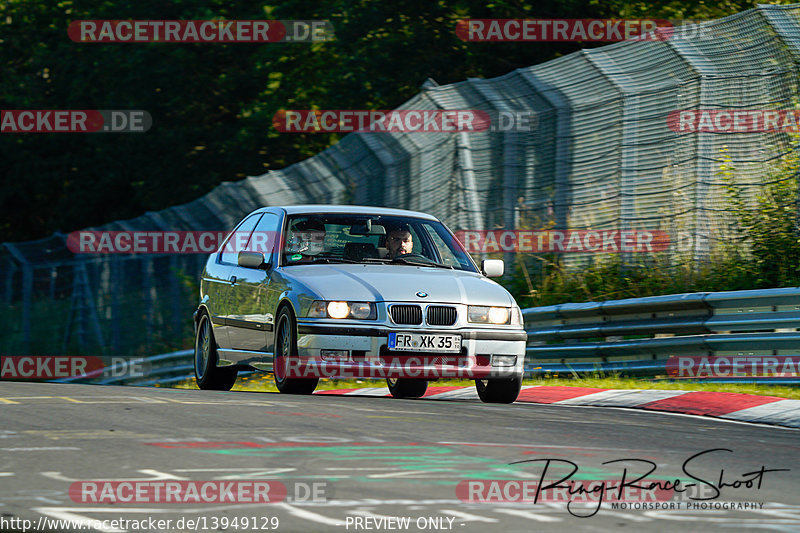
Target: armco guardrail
162, 369
159, 369
638, 336
635, 336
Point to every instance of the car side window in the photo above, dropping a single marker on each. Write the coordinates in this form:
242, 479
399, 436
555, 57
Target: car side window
448, 258
237, 240
265, 236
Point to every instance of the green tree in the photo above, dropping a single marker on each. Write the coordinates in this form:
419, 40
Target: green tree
212, 104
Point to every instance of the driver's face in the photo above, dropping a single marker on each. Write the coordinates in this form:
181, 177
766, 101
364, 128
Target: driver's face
399, 243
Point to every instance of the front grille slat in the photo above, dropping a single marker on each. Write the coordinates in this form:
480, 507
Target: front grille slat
442, 315
406, 314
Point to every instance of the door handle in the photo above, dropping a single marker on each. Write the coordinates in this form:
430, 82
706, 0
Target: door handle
233, 280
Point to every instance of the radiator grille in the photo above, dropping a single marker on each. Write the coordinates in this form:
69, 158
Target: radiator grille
406, 314
441, 315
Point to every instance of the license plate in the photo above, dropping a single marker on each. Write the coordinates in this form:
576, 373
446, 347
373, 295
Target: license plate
423, 342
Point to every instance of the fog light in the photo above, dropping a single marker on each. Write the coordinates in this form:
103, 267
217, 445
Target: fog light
504, 360
334, 355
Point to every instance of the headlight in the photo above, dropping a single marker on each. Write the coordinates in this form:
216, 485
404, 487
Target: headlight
337, 309
361, 310
488, 315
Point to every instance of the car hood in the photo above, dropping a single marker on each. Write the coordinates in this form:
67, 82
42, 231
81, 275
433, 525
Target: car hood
398, 283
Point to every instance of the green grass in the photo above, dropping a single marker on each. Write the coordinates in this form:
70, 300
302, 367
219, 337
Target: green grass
265, 383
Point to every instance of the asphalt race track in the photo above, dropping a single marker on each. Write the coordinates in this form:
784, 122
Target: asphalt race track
375, 464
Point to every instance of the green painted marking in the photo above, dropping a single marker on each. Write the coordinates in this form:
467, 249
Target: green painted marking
426, 459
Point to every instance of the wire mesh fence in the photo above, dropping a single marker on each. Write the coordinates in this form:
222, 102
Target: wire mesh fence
602, 156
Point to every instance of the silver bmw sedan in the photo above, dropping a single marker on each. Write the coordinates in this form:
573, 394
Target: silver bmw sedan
314, 291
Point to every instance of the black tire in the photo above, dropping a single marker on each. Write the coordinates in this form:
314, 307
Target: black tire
208, 375
407, 388
286, 347
499, 390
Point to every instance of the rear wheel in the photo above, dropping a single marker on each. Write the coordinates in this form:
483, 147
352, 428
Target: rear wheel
208, 375
407, 388
286, 349
499, 390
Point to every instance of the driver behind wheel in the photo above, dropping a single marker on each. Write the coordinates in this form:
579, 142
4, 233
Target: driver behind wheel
306, 240
399, 241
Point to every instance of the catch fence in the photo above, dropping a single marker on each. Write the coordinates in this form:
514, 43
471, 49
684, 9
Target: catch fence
602, 155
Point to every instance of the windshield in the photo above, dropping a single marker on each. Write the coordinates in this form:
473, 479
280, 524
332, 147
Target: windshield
335, 238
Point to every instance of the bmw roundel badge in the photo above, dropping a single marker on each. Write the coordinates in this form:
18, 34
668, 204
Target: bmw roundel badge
422, 294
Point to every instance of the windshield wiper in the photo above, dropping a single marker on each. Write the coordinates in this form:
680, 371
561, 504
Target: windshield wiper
327, 260
419, 262
406, 261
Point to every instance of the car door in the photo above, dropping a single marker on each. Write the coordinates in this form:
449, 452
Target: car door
215, 287
252, 321
227, 259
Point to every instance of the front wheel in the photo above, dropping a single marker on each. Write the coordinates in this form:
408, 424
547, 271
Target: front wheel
208, 375
407, 388
499, 390
286, 349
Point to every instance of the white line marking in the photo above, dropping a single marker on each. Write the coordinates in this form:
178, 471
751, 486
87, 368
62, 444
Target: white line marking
156, 476
64, 513
621, 397
605, 510
540, 446
308, 515
364, 512
467, 517
529, 515
369, 391
248, 469
42, 448
392, 468
409, 473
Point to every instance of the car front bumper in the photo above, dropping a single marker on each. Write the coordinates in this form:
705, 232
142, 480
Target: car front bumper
343, 351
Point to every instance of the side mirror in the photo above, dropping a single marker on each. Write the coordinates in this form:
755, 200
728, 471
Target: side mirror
252, 260
492, 268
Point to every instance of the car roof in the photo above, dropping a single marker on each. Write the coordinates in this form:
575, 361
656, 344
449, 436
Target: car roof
351, 210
